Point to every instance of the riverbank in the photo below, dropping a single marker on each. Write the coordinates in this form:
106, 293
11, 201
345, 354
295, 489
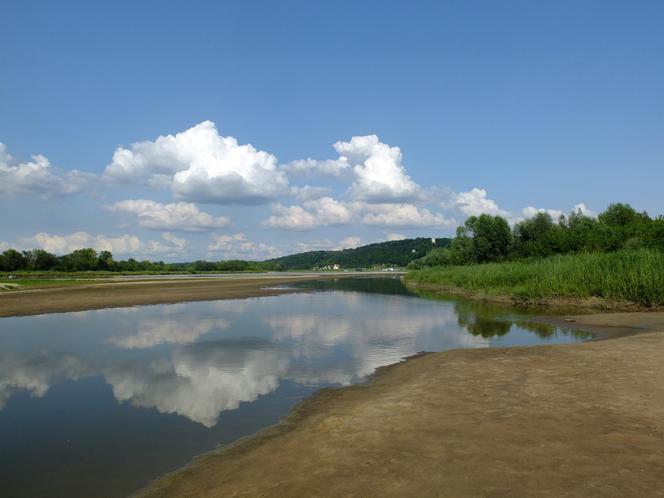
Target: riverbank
552, 303
567, 420
623, 280
120, 293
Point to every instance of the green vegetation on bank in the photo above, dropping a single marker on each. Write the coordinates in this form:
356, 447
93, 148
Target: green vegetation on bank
636, 276
486, 238
88, 263
617, 256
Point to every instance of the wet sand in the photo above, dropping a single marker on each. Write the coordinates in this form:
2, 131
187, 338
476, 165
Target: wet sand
121, 293
582, 419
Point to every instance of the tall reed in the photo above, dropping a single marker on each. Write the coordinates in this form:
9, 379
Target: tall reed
636, 276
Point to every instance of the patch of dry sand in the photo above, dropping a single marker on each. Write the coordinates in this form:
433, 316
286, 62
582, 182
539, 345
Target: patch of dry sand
133, 293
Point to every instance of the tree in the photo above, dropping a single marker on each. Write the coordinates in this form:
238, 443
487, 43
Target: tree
655, 234
485, 238
626, 223
491, 236
232, 265
619, 215
536, 236
12, 260
105, 261
39, 260
578, 230
204, 266
83, 260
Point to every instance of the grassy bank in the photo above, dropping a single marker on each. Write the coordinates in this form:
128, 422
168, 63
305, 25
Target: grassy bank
632, 276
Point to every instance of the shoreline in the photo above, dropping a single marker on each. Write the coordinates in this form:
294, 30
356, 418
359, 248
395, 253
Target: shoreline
137, 292
556, 304
574, 419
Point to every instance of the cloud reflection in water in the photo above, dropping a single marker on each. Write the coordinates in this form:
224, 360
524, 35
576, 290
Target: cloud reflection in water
200, 381
213, 356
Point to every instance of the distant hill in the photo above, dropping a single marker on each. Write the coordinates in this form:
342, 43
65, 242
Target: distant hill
392, 253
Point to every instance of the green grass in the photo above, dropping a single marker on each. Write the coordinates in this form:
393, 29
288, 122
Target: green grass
635, 276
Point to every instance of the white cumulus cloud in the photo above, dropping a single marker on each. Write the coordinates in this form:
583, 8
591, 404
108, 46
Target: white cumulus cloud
122, 244
375, 169
475, 202
379, 174
39, 177
391, 236
324, 211
174, 216
335, 168
530, 211
350, 243
329, 245
403, 215
327, 211
309, 193
585, 210
200, 165
238, 246
172, 245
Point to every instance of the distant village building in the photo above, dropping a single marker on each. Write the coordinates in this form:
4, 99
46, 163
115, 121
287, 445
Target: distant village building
335, 266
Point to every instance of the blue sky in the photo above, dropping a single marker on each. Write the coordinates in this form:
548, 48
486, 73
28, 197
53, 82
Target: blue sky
457, 108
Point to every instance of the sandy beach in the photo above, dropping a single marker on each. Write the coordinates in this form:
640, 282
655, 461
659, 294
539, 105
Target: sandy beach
121, 293
567, 420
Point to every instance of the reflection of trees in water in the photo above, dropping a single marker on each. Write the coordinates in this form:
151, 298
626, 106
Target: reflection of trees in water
487, 327
546, 330
371, 285
488, 320
480, 320
543, 330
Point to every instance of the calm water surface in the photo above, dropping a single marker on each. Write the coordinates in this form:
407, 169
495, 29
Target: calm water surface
97, 403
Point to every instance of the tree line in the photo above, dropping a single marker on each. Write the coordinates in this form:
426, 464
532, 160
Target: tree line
488, 238
89, 259
481, 239
390, 253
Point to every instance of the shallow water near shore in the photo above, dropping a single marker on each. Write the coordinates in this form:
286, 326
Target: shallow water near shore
100, 402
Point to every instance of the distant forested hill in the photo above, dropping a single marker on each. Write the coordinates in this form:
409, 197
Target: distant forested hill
396, 253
